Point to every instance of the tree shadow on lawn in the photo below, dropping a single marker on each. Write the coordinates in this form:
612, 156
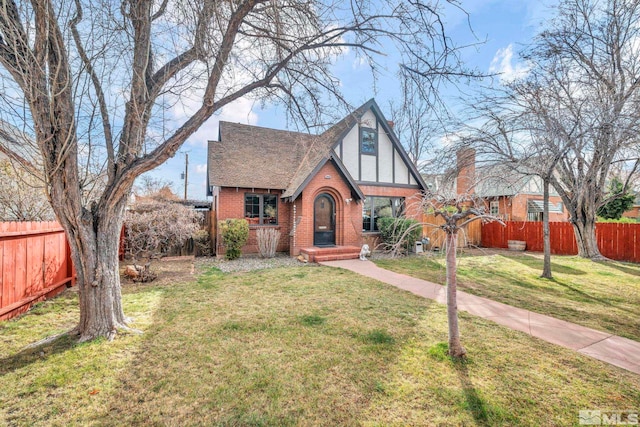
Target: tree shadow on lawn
472, 400
625, 268
38, 351
585, 297
537, 263
573, 293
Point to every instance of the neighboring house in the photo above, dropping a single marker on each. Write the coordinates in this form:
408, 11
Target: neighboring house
320, 191
634, 212
508, 194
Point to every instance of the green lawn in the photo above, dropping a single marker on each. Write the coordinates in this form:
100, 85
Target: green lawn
296, 346
603, 295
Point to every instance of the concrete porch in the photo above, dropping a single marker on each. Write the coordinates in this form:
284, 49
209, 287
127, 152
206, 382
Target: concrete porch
331, 253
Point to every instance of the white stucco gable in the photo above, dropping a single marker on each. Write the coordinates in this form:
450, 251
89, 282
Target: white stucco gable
373, 155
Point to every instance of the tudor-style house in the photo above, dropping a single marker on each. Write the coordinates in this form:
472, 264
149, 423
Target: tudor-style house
323, 192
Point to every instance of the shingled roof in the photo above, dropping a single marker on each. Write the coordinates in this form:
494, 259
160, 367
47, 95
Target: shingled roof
257, 157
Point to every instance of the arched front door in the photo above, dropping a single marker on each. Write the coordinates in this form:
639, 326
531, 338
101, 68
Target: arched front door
324, 221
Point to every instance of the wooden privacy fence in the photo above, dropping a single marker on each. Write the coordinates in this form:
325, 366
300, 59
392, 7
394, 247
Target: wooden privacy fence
35, 264
616, 241
470, 235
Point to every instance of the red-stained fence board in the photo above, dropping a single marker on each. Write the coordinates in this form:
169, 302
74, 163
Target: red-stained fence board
34, 264
616, 241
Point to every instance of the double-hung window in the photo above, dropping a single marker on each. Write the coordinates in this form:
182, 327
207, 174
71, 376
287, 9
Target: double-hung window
261, 209
494, 208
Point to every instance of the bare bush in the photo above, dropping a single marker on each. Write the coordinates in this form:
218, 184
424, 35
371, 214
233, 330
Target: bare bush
268, 239
152, 228
202, 242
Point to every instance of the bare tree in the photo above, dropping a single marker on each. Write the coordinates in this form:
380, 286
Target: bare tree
577, 107
456, 213
416, 120
507, 141
22, 196
583, 91
90, 80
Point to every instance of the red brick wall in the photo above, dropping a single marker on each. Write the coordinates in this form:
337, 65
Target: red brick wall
348, 215
519, 208
327, 180
231, 205
634, 212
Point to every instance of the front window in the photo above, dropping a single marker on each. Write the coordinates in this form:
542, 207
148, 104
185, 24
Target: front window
261, 209
494, 208
379, 207
368, 141
535, 210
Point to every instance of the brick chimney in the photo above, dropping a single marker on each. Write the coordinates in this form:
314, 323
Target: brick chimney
466, 168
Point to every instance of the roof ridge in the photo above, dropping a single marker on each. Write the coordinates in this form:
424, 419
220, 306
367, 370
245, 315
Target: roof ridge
267, 128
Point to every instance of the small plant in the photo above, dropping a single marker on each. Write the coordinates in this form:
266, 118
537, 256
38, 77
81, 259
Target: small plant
268, 239
396, 232
235, 233
202, 242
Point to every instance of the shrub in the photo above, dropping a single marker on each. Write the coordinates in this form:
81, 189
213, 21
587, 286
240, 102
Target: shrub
202, 242
154, 227
393, 232
235, 233
267, 241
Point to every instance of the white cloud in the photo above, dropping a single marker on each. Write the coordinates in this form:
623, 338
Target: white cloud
503, 63
201, 169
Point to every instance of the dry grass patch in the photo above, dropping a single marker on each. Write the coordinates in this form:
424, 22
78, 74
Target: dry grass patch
294, 346
603, 295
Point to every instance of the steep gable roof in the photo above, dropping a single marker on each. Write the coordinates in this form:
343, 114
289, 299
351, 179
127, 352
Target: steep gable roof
373, 105
257, 157
321, 151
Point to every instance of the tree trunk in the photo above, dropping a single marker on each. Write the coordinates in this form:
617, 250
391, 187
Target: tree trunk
95, 257
546, 269
584, 227
455, 347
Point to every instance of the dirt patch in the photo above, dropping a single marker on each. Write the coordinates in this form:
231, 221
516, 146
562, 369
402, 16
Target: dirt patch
169, 270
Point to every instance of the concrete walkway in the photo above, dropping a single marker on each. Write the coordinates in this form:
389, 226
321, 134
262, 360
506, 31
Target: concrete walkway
618, 351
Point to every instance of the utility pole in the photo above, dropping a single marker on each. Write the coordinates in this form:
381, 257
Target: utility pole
186, 174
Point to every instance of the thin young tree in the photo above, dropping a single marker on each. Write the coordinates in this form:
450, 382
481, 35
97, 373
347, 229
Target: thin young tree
456, 213
91, 80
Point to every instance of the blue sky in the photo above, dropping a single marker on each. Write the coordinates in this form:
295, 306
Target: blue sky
503, 27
